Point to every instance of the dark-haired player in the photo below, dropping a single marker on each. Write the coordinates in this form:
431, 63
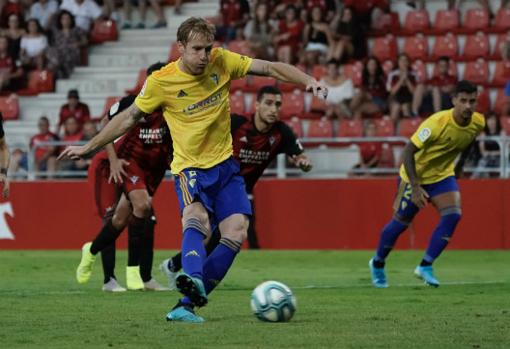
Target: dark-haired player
257, 141
5, 158
428, 174
125, 178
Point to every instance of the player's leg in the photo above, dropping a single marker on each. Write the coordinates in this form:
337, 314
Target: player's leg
142, 8
405, 210
253, 242
445, 196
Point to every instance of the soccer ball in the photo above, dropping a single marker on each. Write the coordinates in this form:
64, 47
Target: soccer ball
272, 301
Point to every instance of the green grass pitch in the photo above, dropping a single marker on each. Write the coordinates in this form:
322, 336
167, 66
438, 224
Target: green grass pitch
41, 305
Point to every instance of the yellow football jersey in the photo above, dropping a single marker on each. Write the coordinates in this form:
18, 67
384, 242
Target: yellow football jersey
196, 108
440, 140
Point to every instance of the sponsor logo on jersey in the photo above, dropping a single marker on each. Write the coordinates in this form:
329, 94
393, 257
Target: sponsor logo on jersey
215, 78
181, 94
134, 179
243, 139
424, 134
204, 104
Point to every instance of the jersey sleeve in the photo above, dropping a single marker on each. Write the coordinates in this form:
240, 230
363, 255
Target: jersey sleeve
236, 121
236, 64
290, 143
150, 97
121, 105
426, 133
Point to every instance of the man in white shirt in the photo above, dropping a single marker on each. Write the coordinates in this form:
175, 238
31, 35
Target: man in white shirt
84, 12
44, 11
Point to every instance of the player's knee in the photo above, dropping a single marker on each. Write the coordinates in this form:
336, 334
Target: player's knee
142, 208
118, 221
237, 231
199, 223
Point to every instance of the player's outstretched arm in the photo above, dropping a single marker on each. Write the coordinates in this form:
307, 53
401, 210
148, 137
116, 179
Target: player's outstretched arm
302, 161
287, 73
418, 195
5, 158
122, 123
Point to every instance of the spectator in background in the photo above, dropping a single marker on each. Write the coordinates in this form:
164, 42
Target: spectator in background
85, 12
370, 152
401, 85
73, 109
372, 96
10, 72
316, 38
326, 7
504, 48
44, 11
142, 9
490, 151
259, 33
9, 7
72, 133
348, 38
33, 46
14, 32
89, 130
437, 92
18, 166
340, 91
364, 10
288, 38
67, 42
234, 16
45, 157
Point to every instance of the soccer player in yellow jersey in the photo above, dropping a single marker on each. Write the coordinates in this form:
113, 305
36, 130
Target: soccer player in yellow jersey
427, 174
194, 95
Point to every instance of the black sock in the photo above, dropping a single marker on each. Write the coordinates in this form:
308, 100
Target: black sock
424, 263
175, 263
378, 264
253, 242
147, 252
108, 259
106, 237
135, 233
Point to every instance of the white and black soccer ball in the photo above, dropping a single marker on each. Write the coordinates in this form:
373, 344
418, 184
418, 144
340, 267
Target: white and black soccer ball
273, 301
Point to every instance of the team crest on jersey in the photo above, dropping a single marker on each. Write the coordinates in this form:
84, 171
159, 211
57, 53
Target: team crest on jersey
134, 179
181, 94
424, 134
215, 78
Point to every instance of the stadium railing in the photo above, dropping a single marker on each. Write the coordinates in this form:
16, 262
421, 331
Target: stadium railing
332, 158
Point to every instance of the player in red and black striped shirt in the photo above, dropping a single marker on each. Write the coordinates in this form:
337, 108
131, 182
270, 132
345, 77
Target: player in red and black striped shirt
257, 140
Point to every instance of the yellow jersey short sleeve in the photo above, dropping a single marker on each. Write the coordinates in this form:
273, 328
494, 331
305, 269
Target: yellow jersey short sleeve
237, 65
426, 133
151, 96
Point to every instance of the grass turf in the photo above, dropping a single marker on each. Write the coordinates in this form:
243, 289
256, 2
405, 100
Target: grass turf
42, 306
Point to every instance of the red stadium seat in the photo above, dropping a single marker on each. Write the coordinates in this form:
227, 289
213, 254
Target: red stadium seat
142, 75
408, 126
505, 124
416, 47
322, 128
501, 74
446, 20
104, 31
350, 128
318, 105
476, 46
445, 45
386, 22
38, 81
502, 21
174, 54
501, 102
9, 107
354, 71
240, 46
421, 71
453, 70
288, 87
237, 103
296, 126
483, 102
385, 48
239, 84
293, 104
416, 21
496, 52
385, 127
318, 71
476, 19
256, 82
477, 72
387, 159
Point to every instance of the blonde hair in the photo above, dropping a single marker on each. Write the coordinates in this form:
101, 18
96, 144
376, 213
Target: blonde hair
193, 27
